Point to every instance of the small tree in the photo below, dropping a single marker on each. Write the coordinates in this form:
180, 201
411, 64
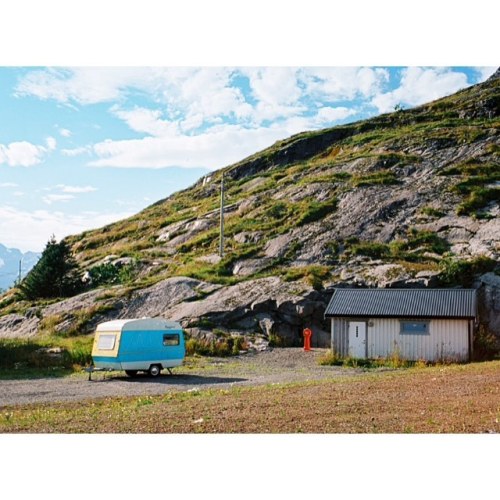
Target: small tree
56, 274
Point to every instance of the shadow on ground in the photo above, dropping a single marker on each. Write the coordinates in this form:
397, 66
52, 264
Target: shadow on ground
175, 380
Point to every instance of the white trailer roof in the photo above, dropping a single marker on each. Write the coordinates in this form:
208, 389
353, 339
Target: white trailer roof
119, 325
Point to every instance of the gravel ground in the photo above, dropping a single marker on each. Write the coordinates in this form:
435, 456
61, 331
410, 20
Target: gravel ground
276, 366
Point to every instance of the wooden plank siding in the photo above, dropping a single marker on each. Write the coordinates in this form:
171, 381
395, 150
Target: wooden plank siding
447, 339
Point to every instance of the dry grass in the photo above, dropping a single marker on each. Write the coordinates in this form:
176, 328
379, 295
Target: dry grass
442, 399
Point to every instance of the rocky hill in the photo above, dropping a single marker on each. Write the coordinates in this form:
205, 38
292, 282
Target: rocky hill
409, 198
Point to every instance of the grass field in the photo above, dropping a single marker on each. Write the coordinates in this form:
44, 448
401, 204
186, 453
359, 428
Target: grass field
439, 399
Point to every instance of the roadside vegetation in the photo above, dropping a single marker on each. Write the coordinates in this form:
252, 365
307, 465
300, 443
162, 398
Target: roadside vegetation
43, 357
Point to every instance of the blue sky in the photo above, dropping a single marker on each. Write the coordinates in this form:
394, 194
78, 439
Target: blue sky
81, 147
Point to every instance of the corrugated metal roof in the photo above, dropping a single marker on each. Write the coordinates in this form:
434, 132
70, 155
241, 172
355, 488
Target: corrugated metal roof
408, 303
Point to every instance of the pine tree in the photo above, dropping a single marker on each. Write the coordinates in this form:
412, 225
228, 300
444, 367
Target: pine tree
56, 274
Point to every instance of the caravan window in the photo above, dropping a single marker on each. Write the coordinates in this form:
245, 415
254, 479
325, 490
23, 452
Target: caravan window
106, 342
171, 339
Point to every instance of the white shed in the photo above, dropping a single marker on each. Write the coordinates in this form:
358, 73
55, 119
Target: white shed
427, 324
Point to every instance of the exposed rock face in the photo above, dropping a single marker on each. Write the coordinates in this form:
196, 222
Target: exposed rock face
265, 307
489, 300
18, 326
159, 299
250, 266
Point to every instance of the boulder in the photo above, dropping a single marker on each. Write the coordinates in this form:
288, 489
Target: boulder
250, 266
248, 237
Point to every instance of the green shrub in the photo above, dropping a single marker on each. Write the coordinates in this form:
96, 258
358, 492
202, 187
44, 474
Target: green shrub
478, 199
427, 239
431, 212
104, 274
460, 272
371, 249
331, 358
383, 177
16, 353
486, 344
315, 211
56, 274
313, 275
79, 354
239, 345
277, 211
277, 341
227, 346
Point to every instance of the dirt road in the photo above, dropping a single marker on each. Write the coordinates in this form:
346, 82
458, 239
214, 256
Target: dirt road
269, 367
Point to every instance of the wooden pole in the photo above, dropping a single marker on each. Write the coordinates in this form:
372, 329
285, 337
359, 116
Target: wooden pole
221, 241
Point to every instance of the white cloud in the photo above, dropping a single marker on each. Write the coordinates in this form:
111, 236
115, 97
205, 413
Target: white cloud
334, 84
148, 121
421, 85
23, 153
51, 198
211, 117
39, 225
485, 72
220, 146
204, 91
65, 132
8, 184
328, 114
274, 85
76, 151
82, 85
76, 189
51, 143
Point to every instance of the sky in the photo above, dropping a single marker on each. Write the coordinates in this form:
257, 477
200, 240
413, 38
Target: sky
83, 146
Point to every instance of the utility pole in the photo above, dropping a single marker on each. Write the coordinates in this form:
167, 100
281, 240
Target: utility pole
20, 264
221, 241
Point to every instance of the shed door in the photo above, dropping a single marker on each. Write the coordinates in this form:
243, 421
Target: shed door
357, 339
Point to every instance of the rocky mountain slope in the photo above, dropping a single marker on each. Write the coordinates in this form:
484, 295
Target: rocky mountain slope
409, 198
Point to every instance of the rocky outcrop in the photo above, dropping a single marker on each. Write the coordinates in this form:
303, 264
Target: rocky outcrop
263, 307
18, 326
159, 299
489, 301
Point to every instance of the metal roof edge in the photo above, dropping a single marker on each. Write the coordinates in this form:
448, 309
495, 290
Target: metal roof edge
413, 316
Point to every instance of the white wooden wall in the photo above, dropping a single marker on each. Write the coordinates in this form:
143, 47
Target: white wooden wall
448, 339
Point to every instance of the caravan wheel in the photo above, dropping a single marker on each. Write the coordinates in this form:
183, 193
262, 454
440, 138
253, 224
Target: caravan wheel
154, 370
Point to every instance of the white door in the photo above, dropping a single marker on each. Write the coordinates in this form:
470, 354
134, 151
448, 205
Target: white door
357, 339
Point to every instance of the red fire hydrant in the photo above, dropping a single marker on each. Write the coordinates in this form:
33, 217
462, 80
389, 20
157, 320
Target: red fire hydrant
307, 339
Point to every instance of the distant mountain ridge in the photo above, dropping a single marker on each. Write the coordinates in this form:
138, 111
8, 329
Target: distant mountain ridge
9, 265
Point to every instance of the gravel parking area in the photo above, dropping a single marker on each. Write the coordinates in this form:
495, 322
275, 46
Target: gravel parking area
274, 366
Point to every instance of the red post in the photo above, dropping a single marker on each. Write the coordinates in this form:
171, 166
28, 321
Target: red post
307, 339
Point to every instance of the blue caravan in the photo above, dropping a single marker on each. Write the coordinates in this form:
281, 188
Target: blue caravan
148, 344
